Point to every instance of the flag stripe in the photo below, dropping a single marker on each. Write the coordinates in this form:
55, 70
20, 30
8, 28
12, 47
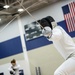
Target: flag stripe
71, 8
72, 14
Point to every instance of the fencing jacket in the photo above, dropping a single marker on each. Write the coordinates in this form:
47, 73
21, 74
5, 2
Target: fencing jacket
62, 42
16, 72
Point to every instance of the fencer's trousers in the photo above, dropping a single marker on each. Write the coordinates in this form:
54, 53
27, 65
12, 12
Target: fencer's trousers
67, 68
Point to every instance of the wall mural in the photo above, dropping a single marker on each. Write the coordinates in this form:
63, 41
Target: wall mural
32, 30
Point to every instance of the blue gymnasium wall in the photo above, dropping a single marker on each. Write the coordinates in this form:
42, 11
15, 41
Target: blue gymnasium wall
10, 47
13, 46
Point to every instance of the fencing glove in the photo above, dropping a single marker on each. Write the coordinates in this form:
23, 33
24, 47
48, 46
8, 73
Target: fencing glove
47, 32
11, 72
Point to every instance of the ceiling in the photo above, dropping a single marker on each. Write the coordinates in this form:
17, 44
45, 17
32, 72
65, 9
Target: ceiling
31, 5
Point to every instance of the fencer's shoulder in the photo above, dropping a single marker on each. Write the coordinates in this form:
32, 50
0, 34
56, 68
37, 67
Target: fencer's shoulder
59, 28
17, 65
10, 68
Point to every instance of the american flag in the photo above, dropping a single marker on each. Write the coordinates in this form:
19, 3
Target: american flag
69, 16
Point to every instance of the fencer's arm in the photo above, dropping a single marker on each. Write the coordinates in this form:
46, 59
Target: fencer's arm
16, 67
11, 70
56, 34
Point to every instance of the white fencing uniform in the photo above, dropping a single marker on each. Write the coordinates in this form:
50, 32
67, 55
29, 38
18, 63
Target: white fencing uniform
66, 47
16, 71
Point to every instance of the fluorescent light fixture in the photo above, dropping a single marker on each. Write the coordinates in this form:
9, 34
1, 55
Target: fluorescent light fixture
6, 6
20, 10
0, 19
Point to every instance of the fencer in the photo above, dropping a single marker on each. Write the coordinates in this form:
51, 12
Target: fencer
62, 42
14, 68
